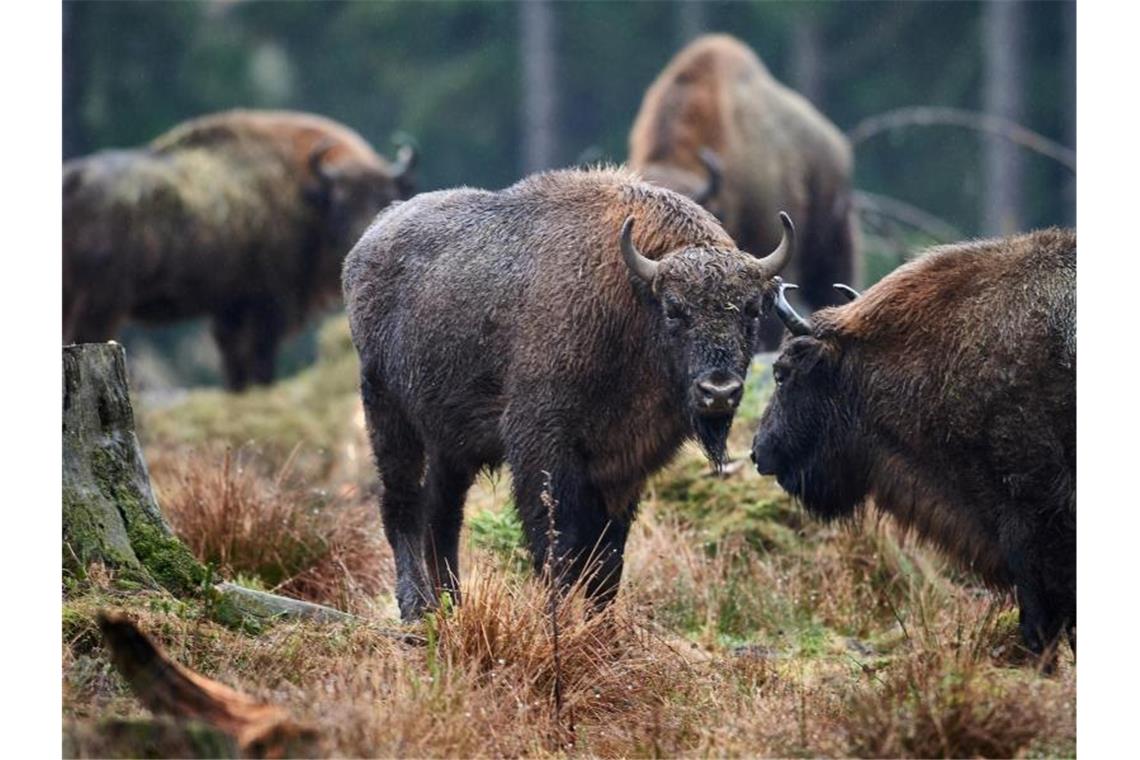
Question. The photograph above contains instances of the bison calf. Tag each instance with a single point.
(243, 216)
(579, 325)
(946, 395)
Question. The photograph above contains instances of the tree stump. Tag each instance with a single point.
(110, 515)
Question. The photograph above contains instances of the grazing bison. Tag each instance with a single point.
(716, 126)
(244, 217)
(579, 325)
(946, 395)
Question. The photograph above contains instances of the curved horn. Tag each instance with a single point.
(317, 158)
(712, 165)
(644, 268)
(779, 258)
(796, 324)
(846, 290)
(406, 158)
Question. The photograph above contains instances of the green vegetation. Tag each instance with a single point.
(743, 627)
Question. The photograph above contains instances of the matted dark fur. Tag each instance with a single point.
(242, 216)
(946, 395)
(506, 326)
(777, 153)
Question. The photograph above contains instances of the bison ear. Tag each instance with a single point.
(808, 353)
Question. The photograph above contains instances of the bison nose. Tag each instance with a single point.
(719, 393)
(764, 457)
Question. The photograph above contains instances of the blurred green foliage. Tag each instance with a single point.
(448, 74)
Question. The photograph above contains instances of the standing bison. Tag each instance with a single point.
(716, 126)
(244, 217)
(579, 325)
(946, 395)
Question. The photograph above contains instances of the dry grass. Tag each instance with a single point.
(271, 532)
(742, 629)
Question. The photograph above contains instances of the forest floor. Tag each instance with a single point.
(743, 627)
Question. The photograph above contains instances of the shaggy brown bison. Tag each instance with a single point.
(716, 126)
(579, 325)
(243, 216)
(946, 395)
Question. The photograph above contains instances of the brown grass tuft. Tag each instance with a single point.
(271, 532)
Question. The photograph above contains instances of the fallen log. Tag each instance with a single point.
(166, 688)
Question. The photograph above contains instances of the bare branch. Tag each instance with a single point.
(891, 208)
(928, 116)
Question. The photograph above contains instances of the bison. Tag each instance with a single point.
(579, 326)
(244, 217)
(716, 126)
(945, 395)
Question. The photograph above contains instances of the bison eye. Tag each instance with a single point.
(752, 309)
(779, 374)
(675, 311)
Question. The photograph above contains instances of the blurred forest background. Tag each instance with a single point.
(493, 91)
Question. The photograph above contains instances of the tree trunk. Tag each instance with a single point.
(539, 96)
(807, 59)
(1004, 27)
(110, 516)
(690, 20)
(1069, 62)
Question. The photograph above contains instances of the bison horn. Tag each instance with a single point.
(317, 158)
(712, 165)
(846, 290)
(644, 268)
(779, 258)
(796, 324)
(405, 161)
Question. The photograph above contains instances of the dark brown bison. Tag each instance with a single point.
(716, 126)
(244, 217)
(945, 394)
(579, 325)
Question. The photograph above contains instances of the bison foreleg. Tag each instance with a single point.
(1041, 626)
(248, 336)
(588, 545)
(445, 489)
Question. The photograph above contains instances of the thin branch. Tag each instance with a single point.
(554, 577)
(912, 216)
(927, 116)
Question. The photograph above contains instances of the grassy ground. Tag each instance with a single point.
(743, 627)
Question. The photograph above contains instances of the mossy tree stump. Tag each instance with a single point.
(110, 515)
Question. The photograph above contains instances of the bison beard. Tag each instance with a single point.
(711, 432)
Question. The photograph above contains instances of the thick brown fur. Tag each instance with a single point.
(505, 326)
(778, 154)
(945, 394)
(242, 216)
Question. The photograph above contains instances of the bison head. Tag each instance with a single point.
(809, 436)
(702, 188)
(349, 194)
(708, 302)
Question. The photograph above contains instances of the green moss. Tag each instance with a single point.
(164, 558)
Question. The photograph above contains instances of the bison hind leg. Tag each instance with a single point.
(399, 454)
